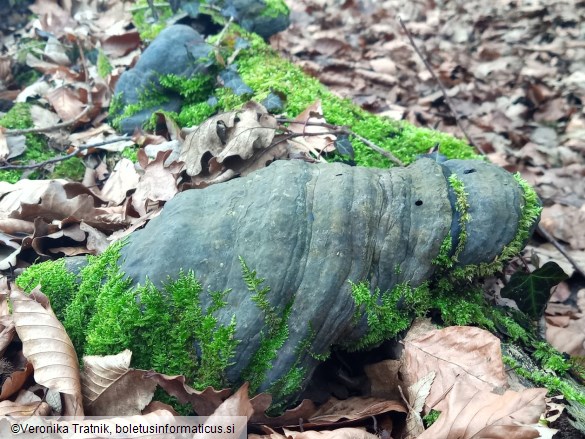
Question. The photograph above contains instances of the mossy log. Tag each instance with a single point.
(258, 278)
(290, 262)
(188, 92)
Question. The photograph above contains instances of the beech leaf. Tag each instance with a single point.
(47, 347)
(417, 395)
(456, 354)
(111, 388)
(472, 413)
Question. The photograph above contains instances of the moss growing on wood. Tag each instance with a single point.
(462, 209)
(130, 153)
(431, 418)
(193, 89)
(147, 100)
(387, 313)
(275, 334)
(262, 69)
(275, 8)
(144, 21)
(555, 384)
(444, 258)
(531, 208)
(52, 276)
(104, 314)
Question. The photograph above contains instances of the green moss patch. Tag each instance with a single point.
(549, 379)
(531, 208)
(104, 67)
(143, 19)
(103, 315)
(37, 150)
(166, 329)
(264, 71)
(275, 8)
(275, 334)
(387, 313)
(54, 277)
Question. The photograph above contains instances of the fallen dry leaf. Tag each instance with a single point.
(313, 142)
(159, 183)
(42, 117)
(355, 408)
(111, 388)
(120, 45)
(560, 222)
(9, 252)
(417, 395)
(548, 252)
(4, 150)
(54, 18)
(47, 347)
(236, 405)
(51, 202)
(254, 130)
(67, 103)
(342, 433)
(14, 409)
(384, 380)
(203, 140)
(471, 413)
(15, 382)
(457, 354)
(290, 417)
(120, 182)
(23, 191)
(96, 241)
(240, 134)
(569, 338)
(56, 52)
(7, 330)
(204, 402)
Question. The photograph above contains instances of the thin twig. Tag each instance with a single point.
(164, 5)
(373, 146)
(52, 127)
(64, 157)
(223, 31)
(153, 9)
(347, 131)
(561, 249)
(147, 6)
(445, 95)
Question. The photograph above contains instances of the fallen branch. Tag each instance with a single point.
(64, 157)
(443, 91)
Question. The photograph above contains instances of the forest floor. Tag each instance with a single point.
(513, 72)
